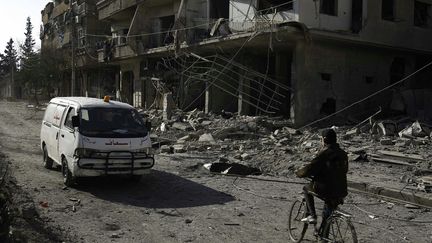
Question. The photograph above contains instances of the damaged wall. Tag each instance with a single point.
(399, 31)
(348, 74)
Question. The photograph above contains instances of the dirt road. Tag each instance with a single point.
(179, 201)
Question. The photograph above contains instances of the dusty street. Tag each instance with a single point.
(180, 201)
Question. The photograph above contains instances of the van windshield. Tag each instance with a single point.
(111, 123)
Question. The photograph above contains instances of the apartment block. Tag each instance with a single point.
(299, 59)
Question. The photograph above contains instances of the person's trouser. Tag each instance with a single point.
(329, 205)
(310, 202)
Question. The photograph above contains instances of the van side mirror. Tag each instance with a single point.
(75, 121)
(148, 125)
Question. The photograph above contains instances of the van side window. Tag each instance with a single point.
(68, 121)
(49, 113)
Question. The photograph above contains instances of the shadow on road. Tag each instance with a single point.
(159, 189)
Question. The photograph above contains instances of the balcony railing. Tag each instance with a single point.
(107, 8)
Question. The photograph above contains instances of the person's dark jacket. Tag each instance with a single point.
(328, 170)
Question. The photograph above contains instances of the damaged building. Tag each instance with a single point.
(66, 31)
(302, 60)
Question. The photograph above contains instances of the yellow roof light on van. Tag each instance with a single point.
(106, 98)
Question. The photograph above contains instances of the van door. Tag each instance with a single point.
(67, 135)
(54, 132)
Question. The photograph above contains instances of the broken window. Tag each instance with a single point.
(167, 23)
(387, 10)
(329, 7)
(325, 76)
(280, 5)
(421, 14)
(357, 16)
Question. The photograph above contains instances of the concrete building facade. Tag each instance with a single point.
(299, 59)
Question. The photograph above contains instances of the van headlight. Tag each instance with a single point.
(148, 151)
(83, 152)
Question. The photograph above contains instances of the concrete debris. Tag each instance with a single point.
(166, 149)
(207, 138)
(411, 206)
(415, 130)
(385, 128)
(181, 126)
(386, 141)
(425, 184)
(249, 142)
(179, 148)
(232, 169)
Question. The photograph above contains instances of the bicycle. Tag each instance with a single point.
(333, 229)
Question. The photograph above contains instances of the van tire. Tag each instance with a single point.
(68, 178)
(47, 161)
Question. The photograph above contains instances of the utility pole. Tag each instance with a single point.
(72, 17)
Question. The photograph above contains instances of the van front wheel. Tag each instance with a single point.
(68, 179)
(47, 161)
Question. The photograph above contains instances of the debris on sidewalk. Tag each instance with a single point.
(264, 144)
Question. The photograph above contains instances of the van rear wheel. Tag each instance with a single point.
(68, 179)
(47, 161)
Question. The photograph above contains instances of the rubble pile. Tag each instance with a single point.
(275, 147)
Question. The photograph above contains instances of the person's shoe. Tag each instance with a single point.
(309, 219)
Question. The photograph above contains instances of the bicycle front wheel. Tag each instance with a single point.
(297, 229)
(339, 229)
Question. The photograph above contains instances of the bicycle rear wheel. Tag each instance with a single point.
(339, 229)
(297, 229)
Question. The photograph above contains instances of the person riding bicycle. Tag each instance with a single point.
(329, 181)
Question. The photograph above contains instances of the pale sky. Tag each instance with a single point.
(13, 15)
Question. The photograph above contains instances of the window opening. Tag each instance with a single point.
(281, 5)
(329, 7)
(421, 14)
(326, 76)
(387, 10)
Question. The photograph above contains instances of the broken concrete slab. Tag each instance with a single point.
(206, 137)
(179, 148)
(181, 126)
(385, 128)
(206, 123)
(245, 156)
(397, 194)
(404, 156)
(414, 130)
(166, 149)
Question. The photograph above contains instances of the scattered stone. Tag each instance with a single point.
(188, 221)
(386, 141)
(181, 126)
(184, 139)
(410, 206)
(206, 123)
(206, 137)
(179, 148)
(284, 141)
(290, 130)
(166, 149)
(245, 156)
(252, 126)
(115, 235)
(352, 132)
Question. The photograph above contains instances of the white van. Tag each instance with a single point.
(93, 137)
